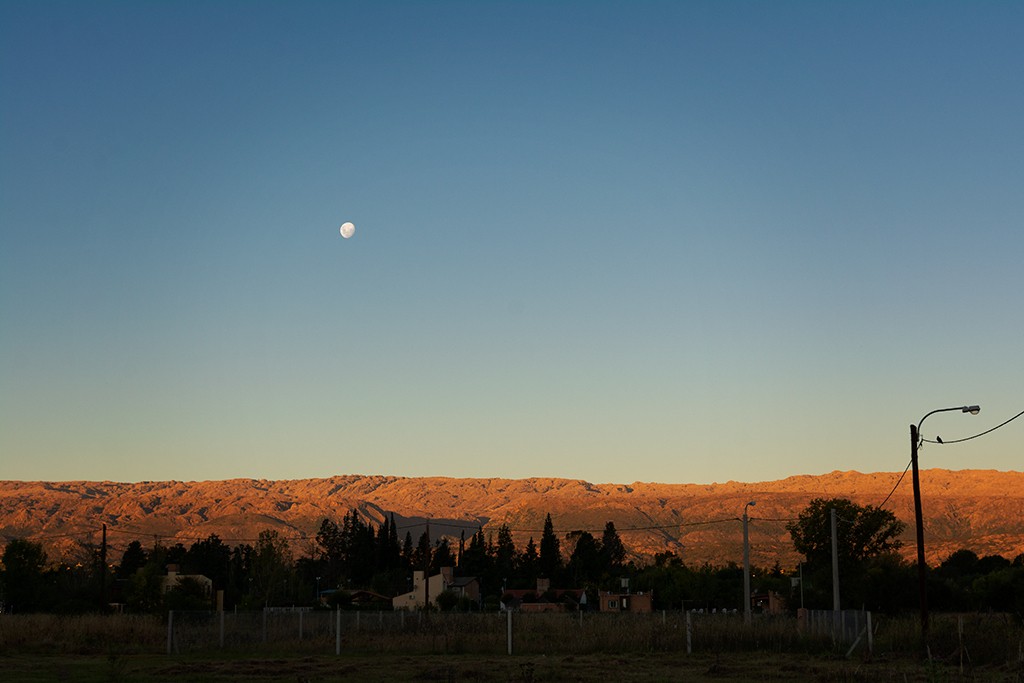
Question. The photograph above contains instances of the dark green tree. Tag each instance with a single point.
(211, 558)
(442, 557)
(613, 553)
(133, 559)
(145, 587)
(271, 570)
(187, 594)
(504, 555)
(584, 566)
(23, 577)
(864, 535)
(388, 551)
(408, 551)
(527, 567)
(863, 531)
(331, 551)
(240, 576)
(474, 560)
(550, 561)
(446, 601)
(422, 555)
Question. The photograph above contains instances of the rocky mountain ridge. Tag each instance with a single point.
(975, 509)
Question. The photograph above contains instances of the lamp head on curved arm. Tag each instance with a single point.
(973, 410)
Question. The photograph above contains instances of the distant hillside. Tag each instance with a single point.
(976, 509)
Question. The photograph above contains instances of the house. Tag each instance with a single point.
(426, 590)
(544, 598)
(363, 599)
(626, 602)
(768, 602)
(174, 577)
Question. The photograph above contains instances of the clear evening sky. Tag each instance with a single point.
(654, 241)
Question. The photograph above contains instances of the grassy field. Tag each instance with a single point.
(736, 667)
(472, 647)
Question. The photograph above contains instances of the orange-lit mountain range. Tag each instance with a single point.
(982, 510)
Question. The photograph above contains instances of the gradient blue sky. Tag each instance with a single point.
(661, 241)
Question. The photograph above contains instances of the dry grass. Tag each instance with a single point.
(593, 668)
(472, 647)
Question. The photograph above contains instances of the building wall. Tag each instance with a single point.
(417, 597)
(173, 578)
(626, 602)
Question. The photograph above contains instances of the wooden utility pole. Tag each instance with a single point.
(426, 572)
(103, 570)
(835, 561)
(922, 574)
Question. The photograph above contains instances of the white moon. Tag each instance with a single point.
(347, 230)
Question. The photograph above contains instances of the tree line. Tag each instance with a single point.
(355, 554)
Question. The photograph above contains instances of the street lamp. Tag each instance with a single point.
(746, 564)
(922, 579)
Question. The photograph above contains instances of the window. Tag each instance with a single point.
(613, 604)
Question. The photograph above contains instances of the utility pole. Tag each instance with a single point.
(922, 576)
(801, 585)
(746, 565)
(103, 570)
(922, 568)
(426, 573)
(835, 562)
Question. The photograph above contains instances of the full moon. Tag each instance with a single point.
(347, 230)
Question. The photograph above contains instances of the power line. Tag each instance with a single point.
(987, 431)
(897, 485)
(591, 531)
(176, 536)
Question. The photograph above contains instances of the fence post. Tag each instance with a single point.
(337, 634)
(871, 636)
(689, 634)
(264, 625)
(222, 629)
(170, 630)
(300, 626)
(357, 619)
(508, 614)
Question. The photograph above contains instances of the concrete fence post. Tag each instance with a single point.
(508, 621)
(337, 634)
(170, 630)
(689, 634)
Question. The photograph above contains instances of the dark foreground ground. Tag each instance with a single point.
(451, 668)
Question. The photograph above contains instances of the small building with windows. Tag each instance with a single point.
(626, 602)
(544, 599)
(426, 589)
(174, 577)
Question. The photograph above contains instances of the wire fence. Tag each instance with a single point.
(484, 633)
(851, 627)
(978, 638)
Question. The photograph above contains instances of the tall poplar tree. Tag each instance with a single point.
(550, 563)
